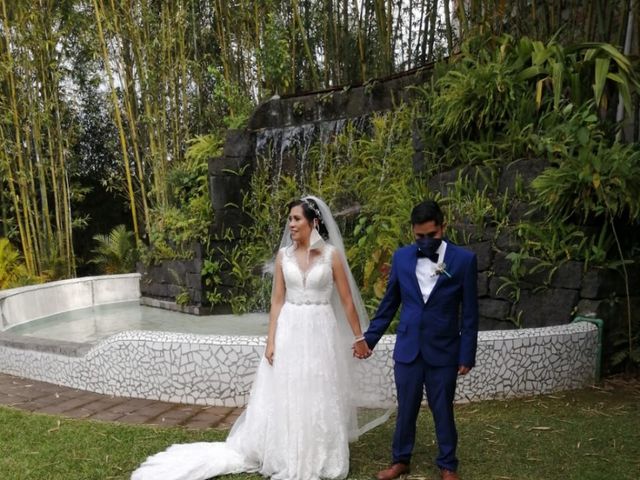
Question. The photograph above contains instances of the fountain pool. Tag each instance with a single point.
(91, 333)
(92, 324)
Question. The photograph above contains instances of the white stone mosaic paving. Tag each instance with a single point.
(219, 370)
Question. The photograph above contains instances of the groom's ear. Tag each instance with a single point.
(444, 228)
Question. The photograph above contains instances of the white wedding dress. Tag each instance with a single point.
(299, 417)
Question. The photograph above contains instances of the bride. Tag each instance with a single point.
(303, 407)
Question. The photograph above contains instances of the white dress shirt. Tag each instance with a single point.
(426, 272)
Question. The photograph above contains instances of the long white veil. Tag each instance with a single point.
(371, 407)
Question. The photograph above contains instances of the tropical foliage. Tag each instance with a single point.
(13, 272)
(135, 96)
(478, 115)
(368, 180)
(187, 218)
(128, 84)
(116, 252)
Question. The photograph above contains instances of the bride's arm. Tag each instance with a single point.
(361, 350)
(277, 300)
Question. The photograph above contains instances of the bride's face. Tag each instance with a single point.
(299, 226)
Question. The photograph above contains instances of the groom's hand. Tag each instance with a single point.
(463, 370)
(361, 349)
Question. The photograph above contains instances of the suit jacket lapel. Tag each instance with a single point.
(448, 255)
(413, 263)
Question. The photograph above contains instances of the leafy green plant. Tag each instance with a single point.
(467, 204)
(187, 217)
(581, 72)
(115, 252)
(552, 242)
(591, 181)
(477, 97)
(232, 98)
(489, 103)
(183, 298)
(245, 256)
(324, 99)
(13, 272)
(275, 56)
(211, 275)
(386, 189)
(594, 181)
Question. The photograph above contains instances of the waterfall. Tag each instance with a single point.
(288, 148)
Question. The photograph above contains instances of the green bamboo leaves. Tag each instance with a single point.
(574, 71)
(35, 149)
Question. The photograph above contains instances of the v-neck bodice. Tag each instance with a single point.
(311, 286)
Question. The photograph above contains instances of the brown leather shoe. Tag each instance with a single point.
(448, 474)
(394, 471)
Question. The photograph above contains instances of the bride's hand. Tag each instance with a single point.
(361, 350)
(269, 352)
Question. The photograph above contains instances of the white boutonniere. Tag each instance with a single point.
(440, 269)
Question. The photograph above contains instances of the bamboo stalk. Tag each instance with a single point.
(118, 118)
(130, 104)
(31, 197)
(360, 36)
(305, 43)
(44, 196)
(15, 199)
(449, 29)
(432, 29)
(26, 234)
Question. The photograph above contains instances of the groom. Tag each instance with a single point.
(436, 337)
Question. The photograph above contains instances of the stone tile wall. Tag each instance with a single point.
(219, 370)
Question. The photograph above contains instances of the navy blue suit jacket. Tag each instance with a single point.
(444, 330)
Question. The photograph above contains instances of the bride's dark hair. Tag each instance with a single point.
(311, 212)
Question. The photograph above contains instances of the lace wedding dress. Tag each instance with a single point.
(299, 417)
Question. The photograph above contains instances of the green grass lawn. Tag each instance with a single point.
(590, 434)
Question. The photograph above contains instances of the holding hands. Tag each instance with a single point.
(360, 348)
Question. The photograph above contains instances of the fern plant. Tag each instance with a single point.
(13, 272)
(115, 252)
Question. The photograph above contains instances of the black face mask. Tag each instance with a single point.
(428, 245)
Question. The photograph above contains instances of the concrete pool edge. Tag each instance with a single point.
(69, 349)
(24, 304)
(219, 369)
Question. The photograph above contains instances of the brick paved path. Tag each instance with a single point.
(40, 397)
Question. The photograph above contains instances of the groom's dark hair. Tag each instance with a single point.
(427, 211)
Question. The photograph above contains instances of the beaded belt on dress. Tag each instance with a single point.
(309, 302)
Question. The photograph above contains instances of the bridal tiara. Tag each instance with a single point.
(313, 207)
